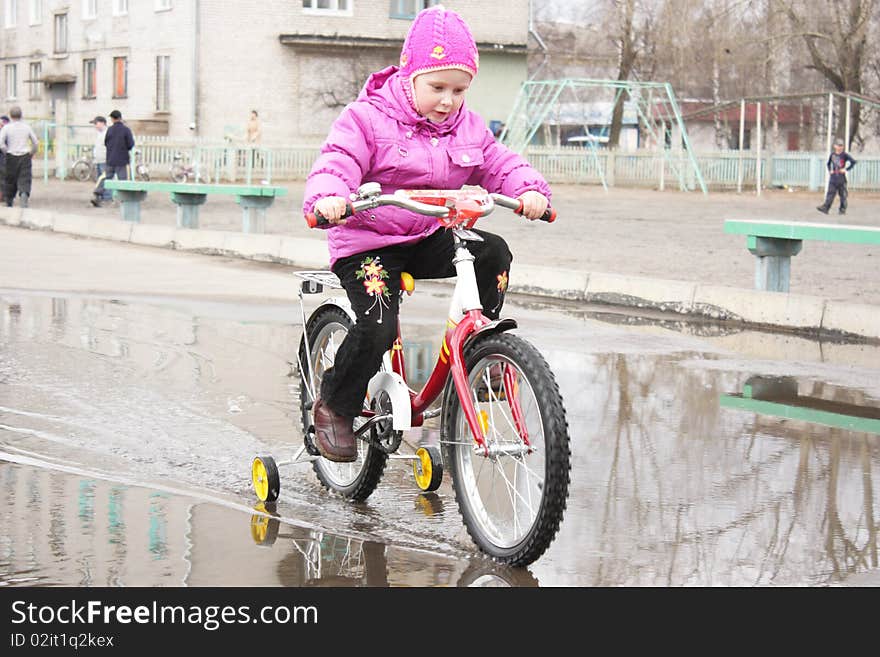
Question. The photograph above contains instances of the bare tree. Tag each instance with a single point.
(835, 33)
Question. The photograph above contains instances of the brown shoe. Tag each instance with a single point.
(334, 436)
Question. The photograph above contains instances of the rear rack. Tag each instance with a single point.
(315, 281)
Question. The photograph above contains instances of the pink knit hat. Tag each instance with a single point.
(438, 39)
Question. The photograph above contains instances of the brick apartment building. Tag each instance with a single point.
(170, 64)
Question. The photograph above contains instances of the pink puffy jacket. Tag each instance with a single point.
(380, 138)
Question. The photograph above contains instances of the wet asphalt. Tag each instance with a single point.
(128, 423)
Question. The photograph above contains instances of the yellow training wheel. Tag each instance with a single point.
(264, 529)
(428, 468)
(264, 474)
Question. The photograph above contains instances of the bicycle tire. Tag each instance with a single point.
(82, 170)
(178, 174)
(536, 392)
(354, 481)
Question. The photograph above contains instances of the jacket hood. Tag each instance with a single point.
(384, 90)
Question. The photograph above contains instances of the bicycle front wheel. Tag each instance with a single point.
(511, 500)
(82, 170)
(326, 330)
(178, 173)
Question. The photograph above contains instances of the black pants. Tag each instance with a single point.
(18, 176)
(372, 282)
(836, 185)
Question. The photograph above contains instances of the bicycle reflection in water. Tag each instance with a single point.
(317, 558)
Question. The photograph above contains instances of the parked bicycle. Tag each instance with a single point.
(85, 168)
(504, 431)
(180, 171)
(140, 170)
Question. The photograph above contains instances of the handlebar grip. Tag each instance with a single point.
(316, 219)
(549, 214)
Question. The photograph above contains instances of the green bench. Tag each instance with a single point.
(253, 199)
(778, 397)
(773, 243)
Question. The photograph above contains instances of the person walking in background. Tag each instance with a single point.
(4, 120)
(254, 131)
(19, 144)
(254, 135)
(99, 156)
(119, 141)
(839, 163)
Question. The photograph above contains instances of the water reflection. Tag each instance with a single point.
(316, 558)
(668, 487)
(86, 532)
(832, 455)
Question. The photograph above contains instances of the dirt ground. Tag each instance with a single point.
(670, 234)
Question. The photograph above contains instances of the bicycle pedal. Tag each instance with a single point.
(309, 442)
(483, 396)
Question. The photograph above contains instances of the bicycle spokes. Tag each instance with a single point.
(506, 477)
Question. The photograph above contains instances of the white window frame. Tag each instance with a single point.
(410, 14)
(163, 5)
(85, 86)
(311, 7)
(163, 83)
(89, 9)
(35, 12)
(10, 13)
(55, 18)
(10, 72)
(35, 71)
(120, 7)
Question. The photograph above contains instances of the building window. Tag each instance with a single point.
(120, 77)
(90, 78)
(409, 8)
(11, 82)
(120, 7)
(60, 33)
(35, 81)
(35, 12)
(327, 6)
(163, 83)
(10, 11)
(162, 5)
(90, 9)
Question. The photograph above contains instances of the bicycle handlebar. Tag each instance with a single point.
(315, 219)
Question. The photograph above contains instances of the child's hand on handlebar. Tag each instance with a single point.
(534, 204)
(332, 208)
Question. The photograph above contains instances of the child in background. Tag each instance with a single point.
(837, 165)
(408, 129)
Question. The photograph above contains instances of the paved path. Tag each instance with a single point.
(670, 235)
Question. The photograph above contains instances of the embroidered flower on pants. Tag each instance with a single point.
(373, 274)
(502, 288)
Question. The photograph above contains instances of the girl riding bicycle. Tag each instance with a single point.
(407, 129)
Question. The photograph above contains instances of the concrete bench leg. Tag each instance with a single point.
(773, 261)
(188, 208)
(253, 212)
(130, 204)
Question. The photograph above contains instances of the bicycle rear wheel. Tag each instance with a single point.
(512, 500)
(356, 480)
(82, 170)
(178, 173)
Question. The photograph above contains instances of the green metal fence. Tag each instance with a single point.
(724, 170)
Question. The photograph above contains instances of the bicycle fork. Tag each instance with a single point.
(465, 319)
